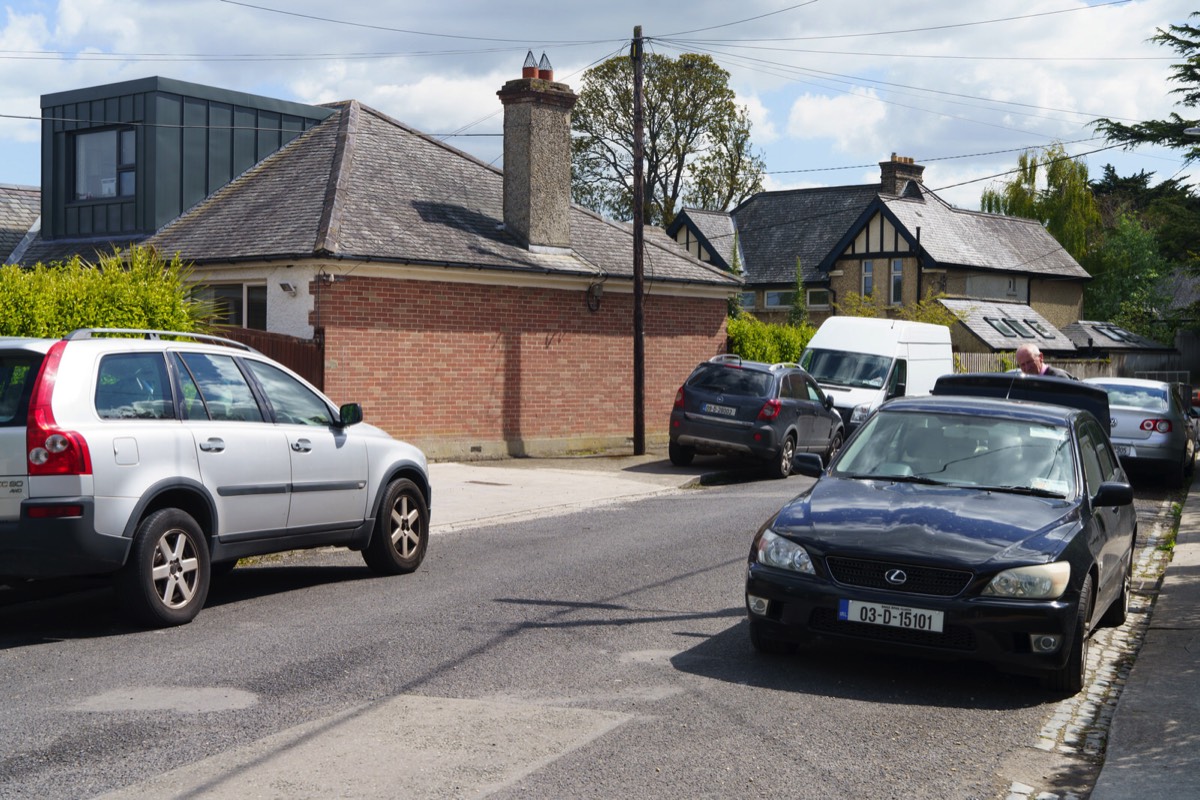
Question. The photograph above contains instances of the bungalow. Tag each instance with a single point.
(471, 311)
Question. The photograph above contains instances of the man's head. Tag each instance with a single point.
(1029, 359)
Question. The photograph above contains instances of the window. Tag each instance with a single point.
(868, 278)
(818, 298)
(293, 402)
(214, 387)
(747, 300)
(780, 299)
(1001, 327)
(238, 304)
(134, 386)
(105, 164)
(897, 294)
(1018, 327)
(1040, 328)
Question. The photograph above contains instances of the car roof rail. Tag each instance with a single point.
(785, 365)
(726, 358)
(207, 338)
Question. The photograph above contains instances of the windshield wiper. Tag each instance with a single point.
(862, 476)
(1029, 490)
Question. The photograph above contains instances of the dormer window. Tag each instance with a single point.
(105, 164)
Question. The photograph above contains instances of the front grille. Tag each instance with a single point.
(919, 580)
(955, 637)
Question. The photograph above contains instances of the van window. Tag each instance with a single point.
(841, 368)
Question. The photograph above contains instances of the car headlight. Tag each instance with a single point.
(1039, 582)
(860, 413)
(774, 550)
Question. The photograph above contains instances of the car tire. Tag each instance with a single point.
(1176, 475)
(763, 643)
(166, 577)
(1118, 612)
(834, 446)
(401, 533)
(781, 465)
(1072, 676)
(681, 455)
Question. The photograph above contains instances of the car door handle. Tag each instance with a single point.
(213, 445)
(302, 446)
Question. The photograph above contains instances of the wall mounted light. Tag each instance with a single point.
(288, 287)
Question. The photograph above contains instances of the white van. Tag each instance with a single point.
(862, 361)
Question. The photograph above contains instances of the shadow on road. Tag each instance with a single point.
(836, 669)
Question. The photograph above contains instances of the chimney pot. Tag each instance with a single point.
(545, 71)
(530, 68)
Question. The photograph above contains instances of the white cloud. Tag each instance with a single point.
(852, 121)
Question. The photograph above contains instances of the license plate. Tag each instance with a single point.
(725, 411)
(1126, 450)
(914, 619)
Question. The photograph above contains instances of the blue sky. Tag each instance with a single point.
(833, 86)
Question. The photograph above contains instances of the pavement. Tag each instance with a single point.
(1154, 742)
(1153, 746)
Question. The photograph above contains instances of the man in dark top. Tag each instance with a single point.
(1031, 362)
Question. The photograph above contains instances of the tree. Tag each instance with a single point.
(1184, 40)
(697, 139)
(1127, 269)
(1169, 209)
(798, 314)
(1065, 204)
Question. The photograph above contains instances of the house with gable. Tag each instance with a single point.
(897, 242)
(472, 311)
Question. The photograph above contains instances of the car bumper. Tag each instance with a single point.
(58, 546)
(757, 441)
(984, 629)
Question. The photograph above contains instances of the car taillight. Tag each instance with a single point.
(770, 410)
(679, 398)
(51, 450)
(1157, 425)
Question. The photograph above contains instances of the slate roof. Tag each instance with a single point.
(714, 229)
(20, 208)
(1109, 337)
(774, 228)
(974, 315)
(972, 239)
(362, 186)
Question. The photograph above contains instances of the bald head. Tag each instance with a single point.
(1030, 360)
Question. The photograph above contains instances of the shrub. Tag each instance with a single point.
(760, 341)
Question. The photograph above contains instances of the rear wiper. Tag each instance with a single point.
(1029, 490)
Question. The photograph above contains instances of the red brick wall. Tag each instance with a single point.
(464, 369)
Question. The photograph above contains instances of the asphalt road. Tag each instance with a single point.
(600, 654)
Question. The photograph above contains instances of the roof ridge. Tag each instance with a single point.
(339, 176)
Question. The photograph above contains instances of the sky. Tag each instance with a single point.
(832, 86)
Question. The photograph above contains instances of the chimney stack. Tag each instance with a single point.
(537, 156)
(894, 174)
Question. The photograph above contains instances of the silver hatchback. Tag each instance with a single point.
(162, 458)
(1153, 427)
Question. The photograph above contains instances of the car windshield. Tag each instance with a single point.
(1146, 398)
(731, 379)
(962, 450)
(840, 368)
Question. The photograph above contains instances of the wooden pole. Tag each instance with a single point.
(639, 344)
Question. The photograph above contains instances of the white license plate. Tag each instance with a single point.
(1128, 451)
(914, 619)
(725, 411)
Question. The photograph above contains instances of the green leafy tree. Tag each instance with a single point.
(137, 289)
(1127, 270)
(761, 341)
(1063, 202)
(928, 310)
(735, 266)
(696, 139)
(1169, 209)
(1185, 41)
(854, 304)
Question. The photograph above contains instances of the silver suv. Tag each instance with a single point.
(165, 458)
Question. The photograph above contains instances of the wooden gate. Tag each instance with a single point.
(305, 357)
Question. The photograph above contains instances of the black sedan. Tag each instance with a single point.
(978, 527)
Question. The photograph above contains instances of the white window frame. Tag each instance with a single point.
(896, 282)
(775, 294)
(812, 296)
(867, 281)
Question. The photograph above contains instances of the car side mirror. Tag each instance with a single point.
(351, 414)
(828, 403)
(810, 464)
(1113, 493)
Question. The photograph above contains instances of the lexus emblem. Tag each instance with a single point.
(895, 576)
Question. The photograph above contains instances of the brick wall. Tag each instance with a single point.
(468, 370)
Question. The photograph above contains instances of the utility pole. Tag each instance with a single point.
(639, 344)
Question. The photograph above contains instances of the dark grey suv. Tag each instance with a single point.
(768, 411)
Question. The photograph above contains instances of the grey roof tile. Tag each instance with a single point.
(1088, 334)
(20, 207)
(974, 315)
